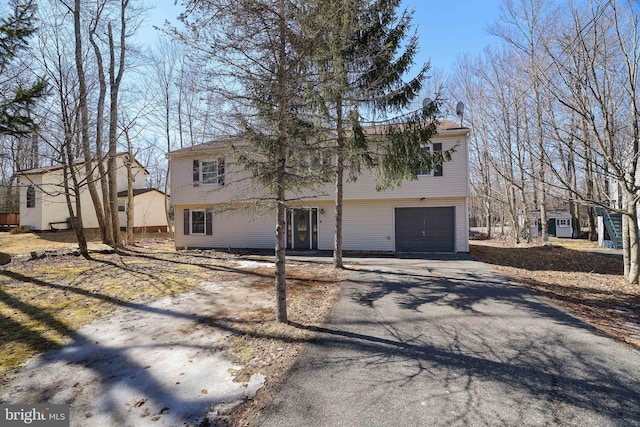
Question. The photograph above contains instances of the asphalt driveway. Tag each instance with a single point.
(449, 342)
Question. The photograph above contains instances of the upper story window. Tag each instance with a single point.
(208, 172)
(428, 149)
(31, 196)
(432, 149)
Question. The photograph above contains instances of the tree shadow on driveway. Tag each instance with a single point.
(442, 343)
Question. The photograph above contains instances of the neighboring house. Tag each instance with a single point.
(43, 204)
(148, 210)
(609, 222)
(216, 205)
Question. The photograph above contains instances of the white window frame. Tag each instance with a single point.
(204, 222)
(122, 205)
(202, 173)
(429, 148)
(562, 222)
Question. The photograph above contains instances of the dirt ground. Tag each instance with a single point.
(118, 328)
(575, 275)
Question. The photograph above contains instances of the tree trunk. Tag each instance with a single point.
(167, 212)
(84, 118)
(281, 205)
(630, 239)
(69, 174)
(114, 83)
(337, 241)
(281, 270)
(103, 212)
(129, 207)
(541, 162)
(167, 133)
(130, 227)
(486, 183)
(487, 217)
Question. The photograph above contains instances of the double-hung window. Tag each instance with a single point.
(427, 149)
(198, 222)
(432, 149)
(208, 172)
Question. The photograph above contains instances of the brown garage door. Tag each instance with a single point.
(425, 229)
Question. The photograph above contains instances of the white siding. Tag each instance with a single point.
(369, 225)
(241, 228)
(368, 215)
(30, 217)
(240, 188)
(138, 173)
(452, 183)
(148, 210)
(51, 205)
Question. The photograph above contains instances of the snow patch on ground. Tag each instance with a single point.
(246, 263)
(147, 364)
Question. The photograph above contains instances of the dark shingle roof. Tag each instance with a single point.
(138, 191)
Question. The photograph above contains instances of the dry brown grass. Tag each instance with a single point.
(21, 243)
(43, 301)
(271, 348)
(587, 284)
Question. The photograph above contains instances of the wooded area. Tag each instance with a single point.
(552, 105)
(267, 70)
(554, 111)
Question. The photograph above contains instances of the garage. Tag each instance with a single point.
(425, 229)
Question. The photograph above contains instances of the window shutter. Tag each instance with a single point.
(208, 222)
(196, 173)
(437, 146)
(187, 229)
(221, 171)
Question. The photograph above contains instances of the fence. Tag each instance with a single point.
(9, 221)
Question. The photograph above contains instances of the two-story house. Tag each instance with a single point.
(43, 203)
(216, 205)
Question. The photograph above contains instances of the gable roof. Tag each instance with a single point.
(138, 191)
(217, 144)
(221, 144)
(47, 169)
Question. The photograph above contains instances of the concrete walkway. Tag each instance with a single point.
(449, 342)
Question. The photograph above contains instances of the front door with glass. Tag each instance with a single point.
(302, 228)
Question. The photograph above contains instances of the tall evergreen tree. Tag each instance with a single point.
(17, 94)
(366, 55)
(258, 57)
